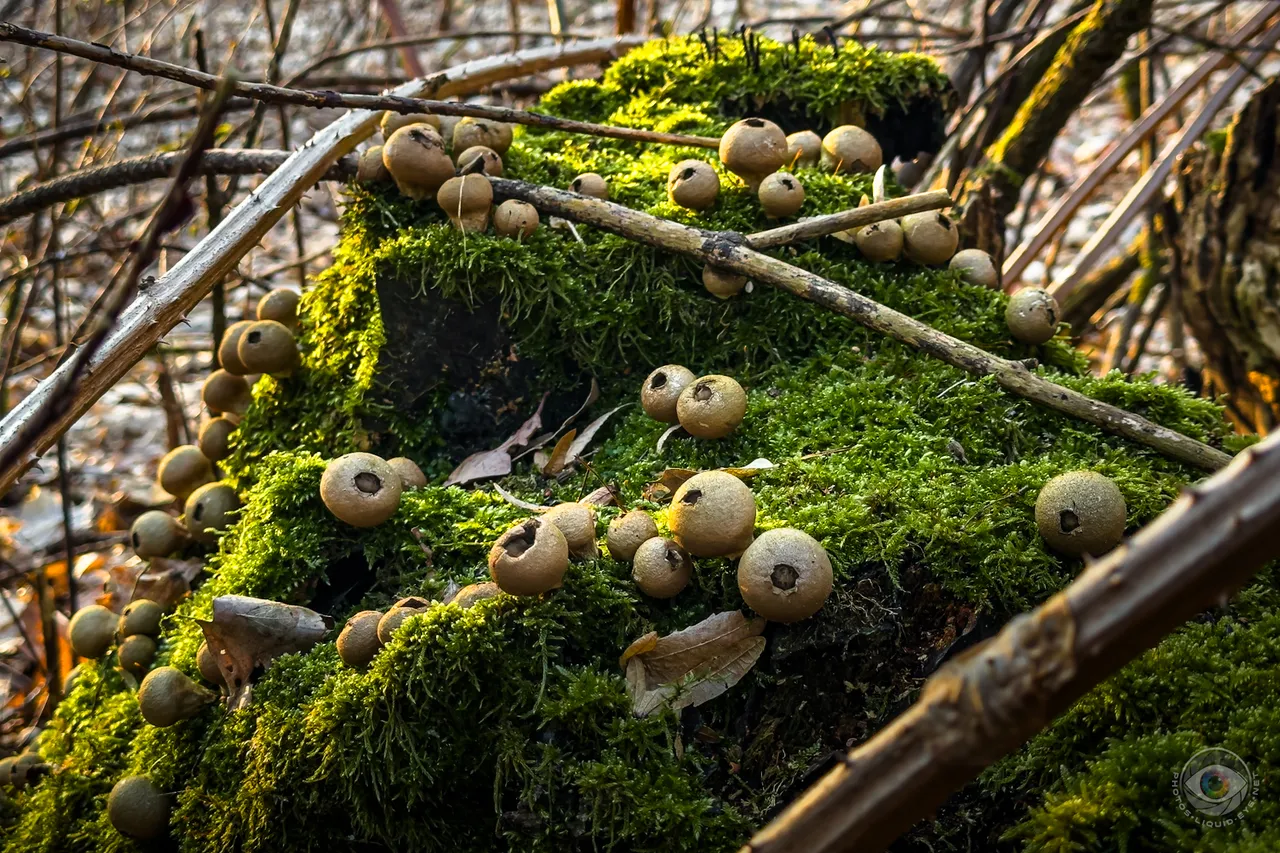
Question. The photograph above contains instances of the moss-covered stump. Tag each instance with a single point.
(507, 725)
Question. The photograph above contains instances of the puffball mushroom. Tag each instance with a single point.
(208, 511)
(785, 575)
(1032, 315)
(156, 534)
(226, 392)
(722, 283)
(1081, 512)
(467, 201)
(491, 161)
(711, 407)
(136, 654)
(804, 149)
(207, 662)
(693, 184)
(713, 514)
(530, 558)
(167, 697)
(515, 219)
(138, 809)
(577, 522)
(752, 149)
(280, 305)
(627, 532)
(140, 617)
(215, 437)
(370, 168)
(91, 631)
(391, 122)
(470, 132)
(474, 592)
(976, 267)
(358, 643)
(416, 159)
(590, 184)
(411, 476)
(880, 242)
(391, 621)
(361, 489)
(269, 347)
(228, 349)
(662, 389)
(849, 148)
(930, 237)
(661, 568)
(781, 194)
(182, 470)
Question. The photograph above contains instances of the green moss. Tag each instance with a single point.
(508, 725)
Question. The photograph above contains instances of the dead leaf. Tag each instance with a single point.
(692, 666)
(877, 183)
(488, 464)
(662, 440)
(247, 633)
(592, 395)
(581, 443)
(559, 455)
(749, 470)
(661, 490)
(603, 496)
(515, 501)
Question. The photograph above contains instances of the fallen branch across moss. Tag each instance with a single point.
(993, 698)
(820, 226)
(731, 252)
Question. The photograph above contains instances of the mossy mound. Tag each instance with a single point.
(507, 726)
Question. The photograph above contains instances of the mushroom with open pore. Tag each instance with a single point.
(361, 489)
(467, 201)
(752, 149)
(785, 575)
(711, 407)
(530, 558)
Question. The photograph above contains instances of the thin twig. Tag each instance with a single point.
(729, 251)
(820, 226)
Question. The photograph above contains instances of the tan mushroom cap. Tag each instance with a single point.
(590, 184)
(269, 347)
(930, 237)
(136, 654)
(138, 809)
(530, 558)
(752, 149)
(662, 389)
(577, 522)
(627, 532)
(713, 514)
(693, 184)
(370, 168)
(208, 511)
(712, 406)
(215, 438)
(474, 592)
(1032, 315)
(361, 489)
(722, 284)
(280, 305)
(467, 201)
(183, 470)
(156, 534)
(228, 349)
(141, 616)
(167, 696)
(398, 613)
(492, 160)
(976, 267)
(207, 663)
(358, 643)
(1081, 512)
(804, 150)
(515, 219)
(880, 242)
(661, 568)
(391, 122)
(411, 476)
(470, 132)
(226, 392)
(417, 161)
(785, 575)
(849, 148)
(781, 194)
(92, 630)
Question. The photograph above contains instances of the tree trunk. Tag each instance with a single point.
(1224, 238)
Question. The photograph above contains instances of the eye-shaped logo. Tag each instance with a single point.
(1215, 783)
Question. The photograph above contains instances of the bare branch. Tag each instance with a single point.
(820, 226)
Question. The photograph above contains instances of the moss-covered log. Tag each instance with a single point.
(507, 725)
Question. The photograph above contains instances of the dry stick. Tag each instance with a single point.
(729, 251)
(151, 167)
(270, 94)
(857, 217)
(167, 300)
(1061, 213)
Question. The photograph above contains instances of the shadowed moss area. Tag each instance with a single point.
(507, 726)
